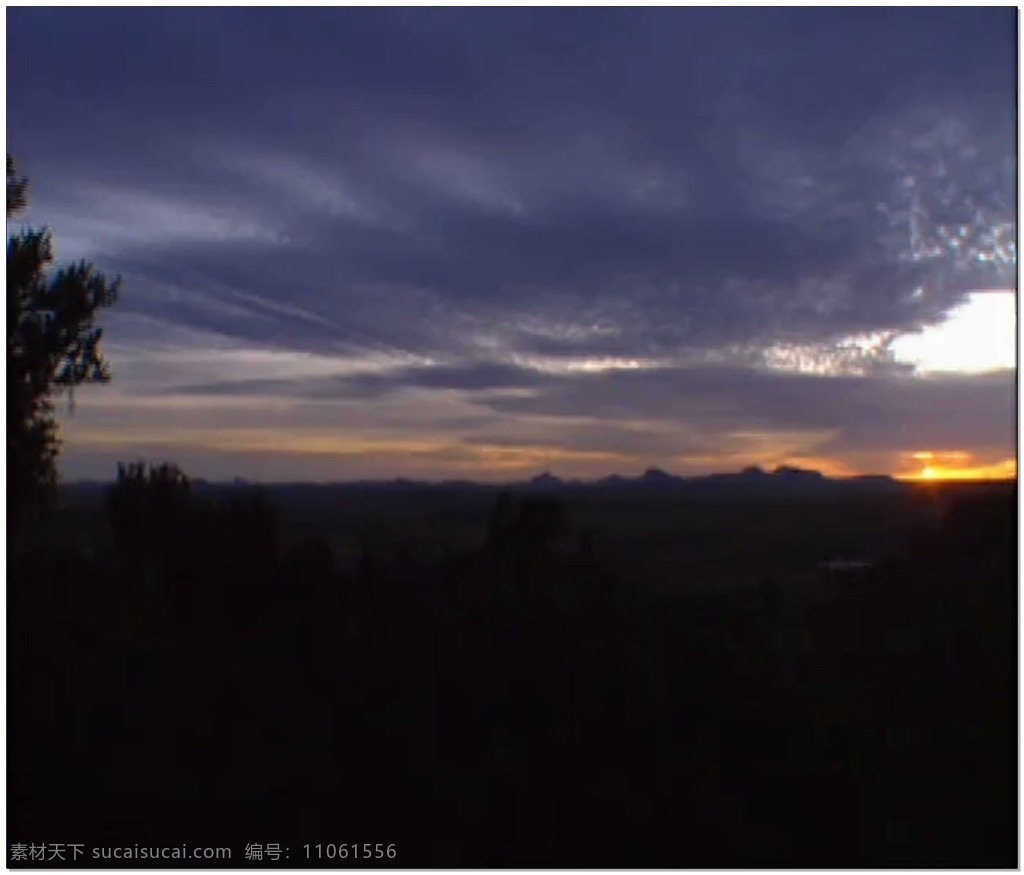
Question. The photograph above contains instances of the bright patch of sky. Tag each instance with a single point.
(978, 336)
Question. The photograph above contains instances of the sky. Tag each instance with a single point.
(484, 243)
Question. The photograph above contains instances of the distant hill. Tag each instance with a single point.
(546, 481)
(752, 477)
(655, 476)
(791, 473)
(784, 477)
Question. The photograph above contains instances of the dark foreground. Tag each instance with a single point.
(518, 703)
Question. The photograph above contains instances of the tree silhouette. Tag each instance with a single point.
(52, 347)
(587, 538)
(147, 509)
(540, 523)
(499, 523)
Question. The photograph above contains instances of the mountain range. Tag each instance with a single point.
(653, 479)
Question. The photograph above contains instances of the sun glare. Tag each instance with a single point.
(957, 465)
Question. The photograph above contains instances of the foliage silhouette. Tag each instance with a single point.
(147, 506)
(500, 522)
(490, 709)
(53, 341)
(541, 523)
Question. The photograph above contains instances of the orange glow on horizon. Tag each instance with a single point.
(362, 451)
(828, 467)
(936, 471)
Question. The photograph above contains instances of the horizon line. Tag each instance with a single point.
(909, 479)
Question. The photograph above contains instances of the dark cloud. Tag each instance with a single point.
(674, 408)
(871, 415)
(371, 385)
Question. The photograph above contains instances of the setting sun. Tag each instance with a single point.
(957, 465)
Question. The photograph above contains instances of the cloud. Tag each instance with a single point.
(584, 213)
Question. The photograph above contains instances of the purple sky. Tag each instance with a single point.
(487, 242)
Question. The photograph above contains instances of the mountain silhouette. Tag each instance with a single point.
(547, 480)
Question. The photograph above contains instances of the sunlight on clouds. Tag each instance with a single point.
(1005, 470)
(171, 366)
(109, 219)
(266, 440)
(942, 456)
(583, 364)
(953, 465)
(536, 458)
(325, 444)
(977, 337)
(984, 240)
(770, 446)
(446, 455)
(565, 329)
(854, 356)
